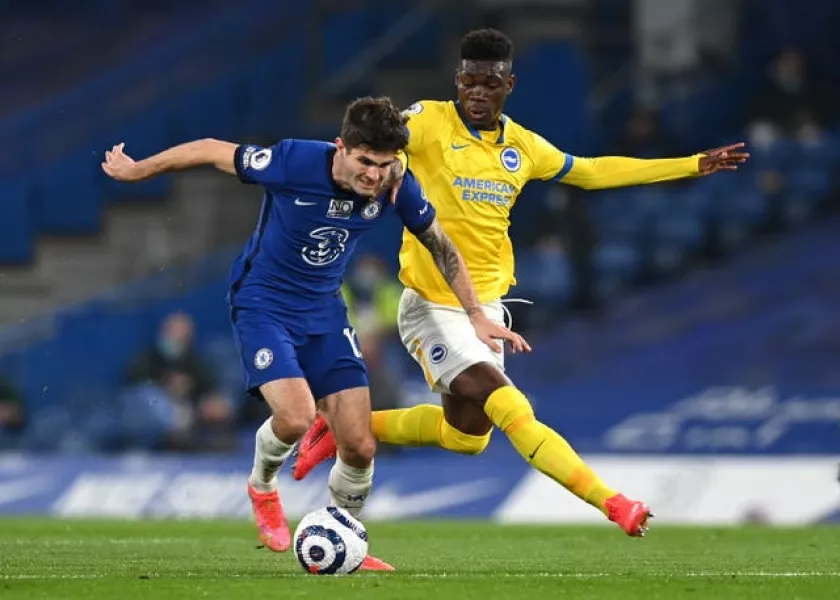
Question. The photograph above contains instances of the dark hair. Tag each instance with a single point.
(486, 44)
(375, 123)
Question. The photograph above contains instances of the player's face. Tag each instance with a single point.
(483, 87)
(363, 169)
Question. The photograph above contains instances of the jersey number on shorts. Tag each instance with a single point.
(331, 244)
(354, 343)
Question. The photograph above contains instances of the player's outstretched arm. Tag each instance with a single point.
(217, 153)
(621, 171)
(454, 270)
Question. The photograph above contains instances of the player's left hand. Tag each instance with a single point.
(725, 158)
(489, 331)
(120, 165)
(393, 181)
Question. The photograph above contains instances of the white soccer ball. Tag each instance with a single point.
(330, 541)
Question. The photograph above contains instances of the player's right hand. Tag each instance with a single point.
(489, 331)
(121, 166)
(725, 158)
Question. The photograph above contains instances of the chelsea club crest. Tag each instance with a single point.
(371, 210)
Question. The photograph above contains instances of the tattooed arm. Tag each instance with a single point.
(451, 265)
(453, 268)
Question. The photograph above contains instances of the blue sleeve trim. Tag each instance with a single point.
(415, 200)
(426, 224)
(567, 166)
(238, 166)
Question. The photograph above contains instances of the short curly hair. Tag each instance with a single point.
(486, 45)
(374, 123)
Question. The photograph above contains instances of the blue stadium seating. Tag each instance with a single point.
(543, 277)
(554, 105)
(190, 87)
(421, 48)
(52, 184)
(616, 264)
(67, 198)
(16, 222)
(345, 33)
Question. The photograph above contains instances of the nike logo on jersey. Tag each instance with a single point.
(299, 202)
(424, 210)
(461, 147)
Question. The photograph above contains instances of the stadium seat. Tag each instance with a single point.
(543, 276)
(681, 228)
(556, 106)
(811, 181)
(616, 263)
(421, 48)
(143, 137)
(16, 222)
(616, 215)
(354, 28)
(68, 197)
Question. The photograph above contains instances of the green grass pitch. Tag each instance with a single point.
(94, 560)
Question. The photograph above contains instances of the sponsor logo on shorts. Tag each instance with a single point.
(438, 353)
(263, 358)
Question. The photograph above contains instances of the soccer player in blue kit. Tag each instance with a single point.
(289, 319)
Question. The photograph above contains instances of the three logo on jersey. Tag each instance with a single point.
(331, 241)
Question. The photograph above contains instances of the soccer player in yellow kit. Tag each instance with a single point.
(473, 161)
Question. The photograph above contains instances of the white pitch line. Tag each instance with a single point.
(641, 574)
(62, 576)
(117, 541)
(444, 575)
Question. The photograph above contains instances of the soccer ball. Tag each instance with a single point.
(330, 541)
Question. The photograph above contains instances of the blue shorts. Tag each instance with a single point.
(270, 349)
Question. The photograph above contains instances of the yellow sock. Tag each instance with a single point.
(543, 447)
(415, 426)
(424, 425)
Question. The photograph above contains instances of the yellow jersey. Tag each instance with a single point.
(473, 179)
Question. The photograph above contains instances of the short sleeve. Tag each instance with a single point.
(415, 210)
(261, 166)
(548, 161)
(423, 119)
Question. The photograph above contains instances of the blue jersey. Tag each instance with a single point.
(294, 262)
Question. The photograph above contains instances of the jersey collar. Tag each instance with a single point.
(474, 132)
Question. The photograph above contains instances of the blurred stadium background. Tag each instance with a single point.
(686, 336)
